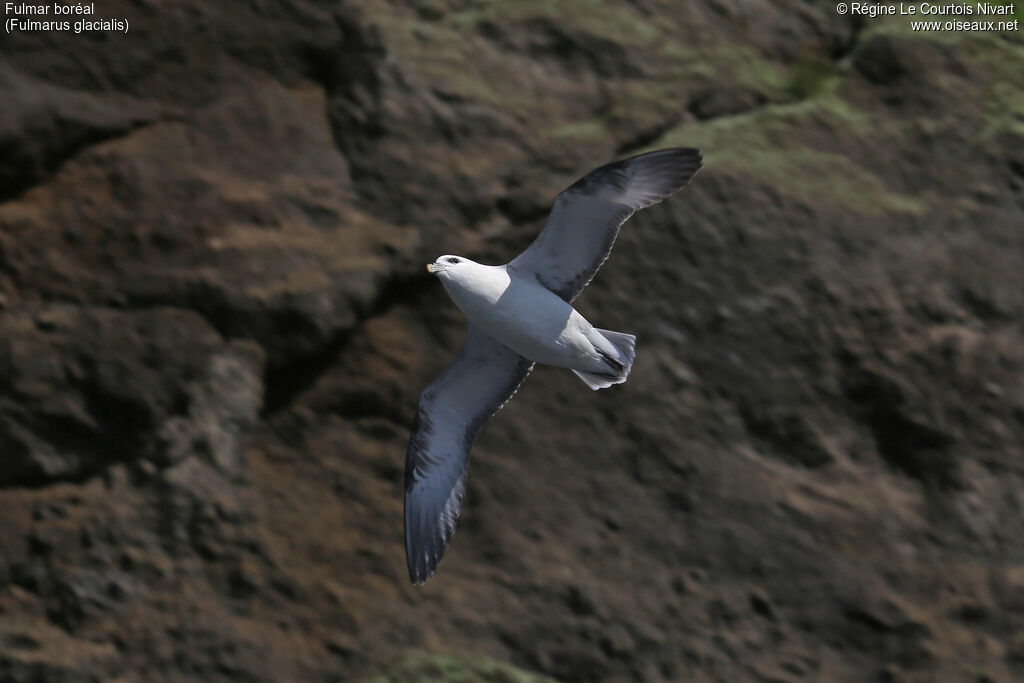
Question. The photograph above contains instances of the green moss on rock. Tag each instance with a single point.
(771, 144)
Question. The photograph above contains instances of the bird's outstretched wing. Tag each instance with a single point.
(451, 412)
(586, 217)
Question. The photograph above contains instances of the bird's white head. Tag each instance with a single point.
(463, 278)
(449, 266)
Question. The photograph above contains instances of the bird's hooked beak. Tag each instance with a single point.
(436, 267)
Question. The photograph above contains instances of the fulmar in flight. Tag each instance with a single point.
(519, 314)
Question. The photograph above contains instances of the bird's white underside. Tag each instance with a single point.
(524, 315)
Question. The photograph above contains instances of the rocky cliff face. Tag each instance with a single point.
(214, 326)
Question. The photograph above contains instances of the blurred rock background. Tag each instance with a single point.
(215, 323)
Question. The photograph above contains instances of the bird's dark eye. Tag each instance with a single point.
(453, 260)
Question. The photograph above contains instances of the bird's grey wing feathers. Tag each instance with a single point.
(586, 217)
(451, 411)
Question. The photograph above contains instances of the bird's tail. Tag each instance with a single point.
(619, 364)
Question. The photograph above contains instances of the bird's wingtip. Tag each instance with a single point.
(419, 576)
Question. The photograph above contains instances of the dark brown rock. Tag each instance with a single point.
(214, 326)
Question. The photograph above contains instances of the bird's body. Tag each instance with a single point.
(519, 314)
(498, 300)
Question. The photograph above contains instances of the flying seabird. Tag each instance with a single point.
(519, 314)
